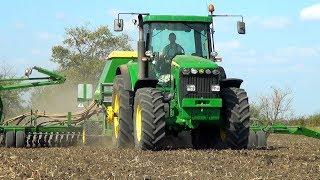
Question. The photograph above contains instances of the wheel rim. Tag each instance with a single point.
(138, 123)
(116, 123)
(116, 105)
(116, 127)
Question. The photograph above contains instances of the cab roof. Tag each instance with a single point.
(177, 18)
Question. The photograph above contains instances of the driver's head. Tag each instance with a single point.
(172, 38)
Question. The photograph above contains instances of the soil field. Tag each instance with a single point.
(289, 157)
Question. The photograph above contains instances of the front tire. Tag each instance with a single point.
(236, 115)
(149, 119)
(122, 121)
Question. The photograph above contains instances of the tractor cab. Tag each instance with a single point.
(169, 36)
(164, 37)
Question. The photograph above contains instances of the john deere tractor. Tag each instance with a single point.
(173, 84)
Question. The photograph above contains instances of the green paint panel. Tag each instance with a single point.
(191, 117)
(133, 72)
(201, 103)
(170, 18)
(187, 61)
(190, 112)
(283, 129)
(54, 78)
(108, 73)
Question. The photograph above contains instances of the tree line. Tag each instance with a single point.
(276, 107)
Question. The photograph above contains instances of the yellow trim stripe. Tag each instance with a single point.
(123, 54)
(173, 63)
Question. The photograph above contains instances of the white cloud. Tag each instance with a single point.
(228, 45)
(290, 55)
(44, 35)
(298, 52)
(275, 22)
(60, 16)
(311, 12)
(19, 25)
(113, 12)
(35, 52)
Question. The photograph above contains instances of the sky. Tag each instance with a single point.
(281, 47)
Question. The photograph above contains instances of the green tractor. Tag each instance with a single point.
(173, 84)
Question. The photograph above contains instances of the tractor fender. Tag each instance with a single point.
(146, 82)
(231, 82)
(123, 70)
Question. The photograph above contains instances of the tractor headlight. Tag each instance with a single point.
(215, 88)
(194, 71)
(191, 88)
(186, 71)
(208, 71)
(215, 72)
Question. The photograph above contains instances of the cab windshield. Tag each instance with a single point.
(166, 40)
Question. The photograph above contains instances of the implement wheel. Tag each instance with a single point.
(122, 120)
(261, 140)
(20, 139)
(149, 119)
(236, 115)
(253, 140)
(10, 139)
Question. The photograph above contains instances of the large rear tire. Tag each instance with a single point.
(149, 119)
(236, 115)
(122, 121)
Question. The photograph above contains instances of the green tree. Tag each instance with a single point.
(81, 57)
(83, 51)
(13, 103)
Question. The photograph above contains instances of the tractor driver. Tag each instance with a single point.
(172, 49)
(169, 52)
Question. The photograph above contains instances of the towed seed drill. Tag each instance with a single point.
(26, 131)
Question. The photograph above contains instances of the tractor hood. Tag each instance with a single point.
(187, 61)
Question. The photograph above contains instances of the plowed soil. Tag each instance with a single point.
(289, 157)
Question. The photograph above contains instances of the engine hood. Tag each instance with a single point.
(187, 61)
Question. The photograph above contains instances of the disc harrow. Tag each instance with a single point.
(37, 140)
(39, 130)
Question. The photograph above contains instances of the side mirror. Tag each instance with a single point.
(118, 25)
(241, 27)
